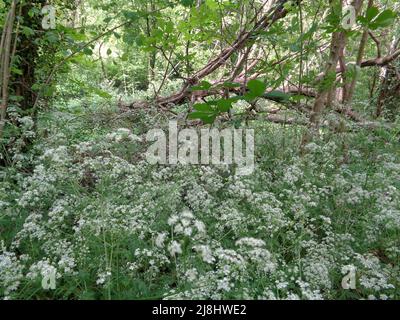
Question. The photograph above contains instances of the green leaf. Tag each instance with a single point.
(203, 107)
(87, 51)
(36, 87)
(125, 57)
(371, 13)
(278, 96)
(16, 71)
(257, 88)
(362, 20)
(16, 98)
(33, 11)
(131, 15)
(384, 19)
(101, 93)
(224, 105)
(249, 97)
(231, 85)
(109, 52)
(52, 37)
(205, 117)
(78, 36)
(187, 3)
(212, 4)
(204, 85)
(27, 31)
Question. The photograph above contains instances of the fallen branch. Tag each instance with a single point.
(381, 61)
(243, 39)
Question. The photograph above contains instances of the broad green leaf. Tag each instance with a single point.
(205, 117)
(371, 13)
(362, 20)
(203, 107)
(212, 4)
(101, 93)
(36, 87)
(27, 31)
(278, 96)
(131, 15)
(249, 96)
(224, 105)
(16, 98)
(16, 71)
(187, 3)
(384, 19)
(204, 85)
(125, 57)
(230, 85)
(256, 87)
(87, 51)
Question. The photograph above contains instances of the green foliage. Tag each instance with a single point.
(77, 196)
(375, 19)
(209, 111)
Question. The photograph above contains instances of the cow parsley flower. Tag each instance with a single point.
(174, 248)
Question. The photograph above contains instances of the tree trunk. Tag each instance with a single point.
(324, 93)
(27, 49)
(389, 94)
(350, 92)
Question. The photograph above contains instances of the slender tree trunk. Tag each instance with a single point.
(387, 89)
(348, 99)
(338, 43)
(5, 60)
(150, 24)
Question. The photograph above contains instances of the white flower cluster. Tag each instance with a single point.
(122, 134)
(186, 224)
(11, 271)
(89, 212)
